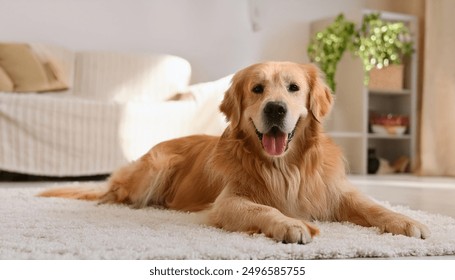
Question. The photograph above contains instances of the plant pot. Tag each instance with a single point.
(387, 78)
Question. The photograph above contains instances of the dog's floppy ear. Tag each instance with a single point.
(320, 98)
(231, 106)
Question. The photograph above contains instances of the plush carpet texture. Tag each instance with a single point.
(53, 228)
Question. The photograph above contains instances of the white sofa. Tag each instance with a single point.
(114, 110)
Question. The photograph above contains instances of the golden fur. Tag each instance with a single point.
(276, 187)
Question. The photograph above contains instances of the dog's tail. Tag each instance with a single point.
(84, 191)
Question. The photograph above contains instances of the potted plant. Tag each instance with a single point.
(328, 46)
(378, 43)
(381, 46)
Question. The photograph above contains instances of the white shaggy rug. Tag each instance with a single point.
(53, 228)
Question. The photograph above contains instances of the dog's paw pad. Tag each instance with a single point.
(418, 231)
(407, 226)
(294, 231)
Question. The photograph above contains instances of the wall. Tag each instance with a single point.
(217, 36)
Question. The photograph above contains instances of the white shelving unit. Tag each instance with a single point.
(348, 123)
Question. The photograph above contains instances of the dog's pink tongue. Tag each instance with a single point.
(274, 144)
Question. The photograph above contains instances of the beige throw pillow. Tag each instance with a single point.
(30, 71)
(5, 82)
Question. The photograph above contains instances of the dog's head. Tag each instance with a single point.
(269, 100)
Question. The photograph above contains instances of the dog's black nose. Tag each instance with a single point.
(275, 111)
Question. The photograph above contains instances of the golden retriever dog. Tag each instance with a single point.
(272, 171)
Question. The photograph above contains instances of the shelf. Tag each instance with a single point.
(391, 92)
(349, 122)
(384, 136)
(344, 134)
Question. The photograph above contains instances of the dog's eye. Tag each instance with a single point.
(258, 89)
(293, 87)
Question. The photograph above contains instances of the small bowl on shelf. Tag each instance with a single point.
(389, 124)
(388, 130)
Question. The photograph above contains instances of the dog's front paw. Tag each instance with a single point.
(292, 231)
(406, 226)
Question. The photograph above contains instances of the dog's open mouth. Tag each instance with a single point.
(275, 142)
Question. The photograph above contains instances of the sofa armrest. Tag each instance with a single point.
(124, 77)
(208, 97)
